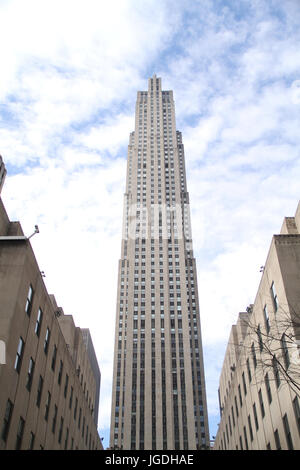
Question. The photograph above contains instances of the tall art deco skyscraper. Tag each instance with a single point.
(159, 399)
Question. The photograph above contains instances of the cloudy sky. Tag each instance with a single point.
(70, 70)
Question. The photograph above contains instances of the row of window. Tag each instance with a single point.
(86, 436)
(37, 330)
(245, 445)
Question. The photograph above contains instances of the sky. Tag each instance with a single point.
(70, 71)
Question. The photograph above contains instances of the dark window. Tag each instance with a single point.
(38, 323)
(244, 383)
(261, 402)
(285, 351)
(60, 429)
(39, 391)
(54, 419)
(28, 305)
(7, 419)
(277, 440)
(249, 370)
(30, 374)
(20, 433)
(66, 386)
(47, 406)
(53, 361)
(274, 297)
(31, 441)
(276, 371)
(250, 428)
(253, 355)
(19, 356)
(260, 340)
(60, 372)
(47, 340)
(287, 432)
(245, 437)
(297, 411)
(240, 395)
(268, 387)
(255, 416)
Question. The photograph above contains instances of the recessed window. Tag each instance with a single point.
(29, 299)
(30, 374)
(287, 432)
(47, 340)
(267, 319)
(7, 419)
(274, 297)
(19, 355)
(38, 324)
(20, 433)
(285, 350)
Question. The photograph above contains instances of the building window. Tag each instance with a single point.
(19, 356)
(31, 441)
(236, 407)
(66, 386)
(253, 355)
(255, 416)
(267, 319)
(285, 351)
(60, 429)
(39, 391)
(261, 402)
(47, 406)
(277, 440)
(244, 383)
(60, 372)
(274, 297)
(28, 305)
(240, 395)
(250, 428)
(47, 340)
(30, 374)
(248, 369)
(38, 324)
(7, 419)
(297, 411)
(246, 439)
(268, 387)
(20, 433)
(260, 340)
(53, 361)
(287, 432)
(54, 419)
(71, 398)
(276, 371)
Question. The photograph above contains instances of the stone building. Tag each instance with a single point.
(159, 397)
(49, 378)
(259, 389)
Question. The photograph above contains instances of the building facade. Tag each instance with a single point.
(159, 398)
(259, 389)
(48, 384)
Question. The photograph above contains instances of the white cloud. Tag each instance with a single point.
(69, 76)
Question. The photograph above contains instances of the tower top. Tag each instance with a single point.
(154, 83)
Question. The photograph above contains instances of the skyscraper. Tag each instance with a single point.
(159, 399)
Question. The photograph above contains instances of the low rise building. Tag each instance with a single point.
(259, 390)
(49, 376)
